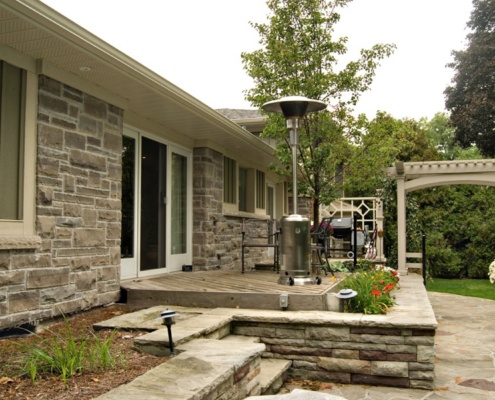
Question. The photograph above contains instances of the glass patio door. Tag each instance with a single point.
(156, 206)
(128, 240)
(153, 196)
(180, 210)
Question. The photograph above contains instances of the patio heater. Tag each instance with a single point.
(295, 266)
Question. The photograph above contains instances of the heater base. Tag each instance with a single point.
(299, 280)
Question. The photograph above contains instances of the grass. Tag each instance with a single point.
(464, 287)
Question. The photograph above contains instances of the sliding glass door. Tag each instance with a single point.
(181, 213)
(153, 205)
(156, 206)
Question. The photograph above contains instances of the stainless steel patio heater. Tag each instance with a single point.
(295, 252)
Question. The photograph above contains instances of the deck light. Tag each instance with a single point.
(344, 296)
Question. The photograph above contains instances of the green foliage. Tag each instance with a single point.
(299, 56)
(64, 355)
(340, 266)
(458, 221)
(373, 289)
(455, 219)
(100, 355)
(61, 355)
(463, 287)
(442, 260)
(441, 134)
(471, 97)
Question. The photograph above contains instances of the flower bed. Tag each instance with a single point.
(374, 290)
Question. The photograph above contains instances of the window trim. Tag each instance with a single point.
(26, 226)
(260, 190)
(230, 190)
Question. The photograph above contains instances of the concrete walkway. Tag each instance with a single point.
(465, 356)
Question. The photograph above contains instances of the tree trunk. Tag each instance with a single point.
(316, 208)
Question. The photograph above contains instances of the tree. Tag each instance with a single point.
(300, 57)
(441, 133)
(471, 97)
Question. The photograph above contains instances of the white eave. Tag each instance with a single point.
(60, 47)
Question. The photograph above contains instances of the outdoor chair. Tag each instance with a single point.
(262, 234)
(320, 245)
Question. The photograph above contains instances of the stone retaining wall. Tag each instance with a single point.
(396, 349)
(74, 262)
(351, 355)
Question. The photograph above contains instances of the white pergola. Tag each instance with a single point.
(411, 176)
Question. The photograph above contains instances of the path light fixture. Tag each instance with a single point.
(168, 320)
(344, 296)
(295, 266)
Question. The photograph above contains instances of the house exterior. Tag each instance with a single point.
(110, 172)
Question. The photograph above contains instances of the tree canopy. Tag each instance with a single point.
(471, 97)
(300, 56)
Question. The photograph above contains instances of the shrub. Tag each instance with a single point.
(373, 289)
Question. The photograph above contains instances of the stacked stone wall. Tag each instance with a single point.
(76, 264)
(217, 238)
(397, 357)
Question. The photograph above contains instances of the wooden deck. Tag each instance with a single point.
(212, 289)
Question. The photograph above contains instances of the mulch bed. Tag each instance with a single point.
(85, 385)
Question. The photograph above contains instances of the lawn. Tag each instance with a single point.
(464, 287)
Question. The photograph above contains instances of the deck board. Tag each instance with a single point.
(219, 288)
(225, 281)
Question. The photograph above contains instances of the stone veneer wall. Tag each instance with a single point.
(78, 207)
(398, 357)
(216, 237)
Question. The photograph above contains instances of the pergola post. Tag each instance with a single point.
(401, 219)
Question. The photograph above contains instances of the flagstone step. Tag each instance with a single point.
(204, 369)
(206, 326)
(273, 371)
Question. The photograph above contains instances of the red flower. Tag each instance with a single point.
(389, 287)
(376, 293)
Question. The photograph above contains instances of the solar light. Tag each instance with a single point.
(344, 296)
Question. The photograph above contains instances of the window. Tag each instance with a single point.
(243, 189)
(18, 91)
(260, 189)
(12, 101)
(229, 180)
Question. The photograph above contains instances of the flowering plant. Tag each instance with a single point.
(491, 272)
(373, 289)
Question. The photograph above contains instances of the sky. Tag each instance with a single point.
(197, 45)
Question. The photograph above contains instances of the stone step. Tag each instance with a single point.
(204, 369)
(273, 374)
(207, 326)
(273, 371)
